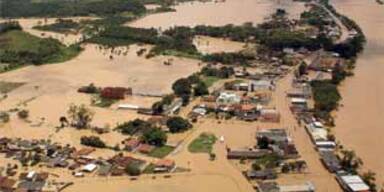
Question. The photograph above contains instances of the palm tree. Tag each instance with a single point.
(370, 178)
(350, 161)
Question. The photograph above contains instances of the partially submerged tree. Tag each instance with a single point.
(154, 136)
(4, 117)
(200, 89)
(63, 121)
(350, 161)
(132, 170)
(23, 114)
(80, 116)
(178, 124)
(370, 179)
(92, 141)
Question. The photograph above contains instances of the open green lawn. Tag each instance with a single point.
(18, 48)
(161, 152)
(18, 41)
(210, 80)
(202, 144)
(149, 169)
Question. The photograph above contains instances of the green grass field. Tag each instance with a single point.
(18, 48)
(210, 80)
(161, 152)
(202, 144)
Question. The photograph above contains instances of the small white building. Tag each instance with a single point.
(298, 101)
(228, 98)
(128, 106)
(353, 183)
(307, 187)
(89, 167)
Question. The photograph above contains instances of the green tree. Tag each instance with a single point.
(370, 179)
(263, 142)
(133, 127)
(256, 166)
(92, 141)
(80, 115)
(178, 124)
(4, 117)
(338, 74)
(182, 87)
(302, 69)
(23, 114)
(350, 161)
(158, 108)
(200, 89)
(132, 170)
(154, 136)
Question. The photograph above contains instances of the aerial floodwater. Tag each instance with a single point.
(218, 13)
(188, 96)
(360, 121)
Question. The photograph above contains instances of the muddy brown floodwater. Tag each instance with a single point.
(360, 122)
(218, 14)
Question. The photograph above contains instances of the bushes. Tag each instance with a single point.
(178, 124)
(133, 127)
(92, 141)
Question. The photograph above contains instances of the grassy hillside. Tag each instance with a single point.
(20, 48)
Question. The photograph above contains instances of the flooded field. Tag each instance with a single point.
(218, 14)
(360, 121)
(208, 45)
(67, 39)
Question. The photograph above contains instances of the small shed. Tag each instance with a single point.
(89, 167)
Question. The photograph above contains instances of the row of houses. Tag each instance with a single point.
(31, 181)
(275, 146)
(275, 187)
(231, 104)
(77, 161)
(325, 145)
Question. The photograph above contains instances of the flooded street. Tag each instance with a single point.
(360, 122)
(218, 14)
